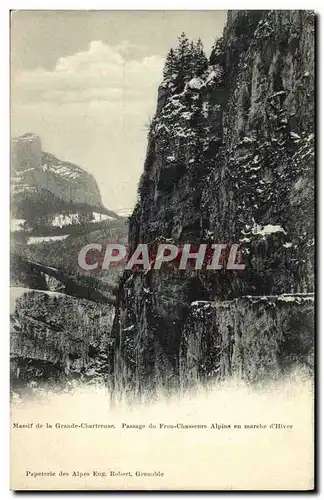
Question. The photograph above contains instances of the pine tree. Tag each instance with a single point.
(217, 55)
(169, 69)
(201, 62)
(192, 67)
(183, 61)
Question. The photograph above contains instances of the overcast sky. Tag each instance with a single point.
(86, 83)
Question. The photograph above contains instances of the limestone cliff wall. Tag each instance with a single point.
(55, 338)
(230, 158)
(251, 338)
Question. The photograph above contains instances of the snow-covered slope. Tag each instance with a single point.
(42, 184)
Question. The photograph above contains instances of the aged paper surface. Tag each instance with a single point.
(162, 238)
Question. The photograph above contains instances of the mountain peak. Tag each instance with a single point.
(43, 183)
(28, 136)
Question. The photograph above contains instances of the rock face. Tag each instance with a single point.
(55, 338)
(229, 159)
(26, 153)
(252, 338)
(60, 326)
(39, 179)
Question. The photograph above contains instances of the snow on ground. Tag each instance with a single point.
(16, 224)
(18, 291)
(61, 220)
(41, 239)
(269, 229)
(28, 137)
(65, 220)
(200, 302)
(99, 217)
(298, 297)
(196, 83)
(187, 115)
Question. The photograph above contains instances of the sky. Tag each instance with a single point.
(86, 82)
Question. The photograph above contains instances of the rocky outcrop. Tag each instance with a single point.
(56, 338)
(251, 338)
(42, 184)
(229, 159)
(26, 153)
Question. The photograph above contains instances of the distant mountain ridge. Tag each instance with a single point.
(41, 184)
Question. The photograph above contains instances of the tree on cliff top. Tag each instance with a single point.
(183, 59)
(200, 61)
(168, 70)
(184, 62)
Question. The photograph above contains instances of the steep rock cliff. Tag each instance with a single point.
(229, 159)
(56, 338)
(252, 338)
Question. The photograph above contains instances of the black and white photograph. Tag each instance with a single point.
(162, 242)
